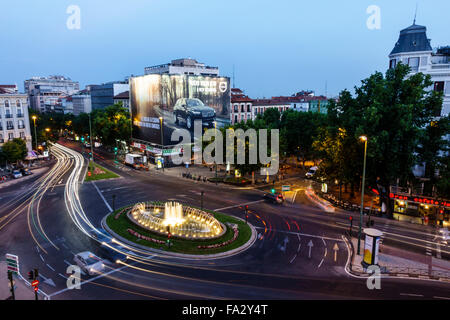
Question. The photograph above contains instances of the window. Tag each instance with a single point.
(414, 63)
(235, 119)
(6, 104)
(22, 135)
(21, 124)
(10, 136)
(235, 108)
(18, 104)
(249, 108)
(392, 64)
(242, 108)
(1, 138)
(439, 86)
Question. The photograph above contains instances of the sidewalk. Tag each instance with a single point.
(16, 181)
(22, 292)
(394, 262)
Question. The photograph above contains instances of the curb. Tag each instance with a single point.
(221, 255)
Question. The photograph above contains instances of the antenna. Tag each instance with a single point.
(415, 14)
(326, 88)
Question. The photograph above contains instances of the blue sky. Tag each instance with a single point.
(277, 47)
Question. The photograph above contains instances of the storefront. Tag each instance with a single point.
(157, 156)
(421, 210)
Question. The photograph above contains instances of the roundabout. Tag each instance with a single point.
(178, 230)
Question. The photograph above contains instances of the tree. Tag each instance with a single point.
(111, 124)
(15, 150)
(392, 111)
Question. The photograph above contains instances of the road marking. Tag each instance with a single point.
(87, 281)
(320, 264)
(40, 255)
(59, 274)
(50, 267)
(411, 294)
(99, 192)
(444, 298)
(239, 205)
(293, 258)
(303, 234)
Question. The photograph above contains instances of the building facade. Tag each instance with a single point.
(81, 102)
(413, 48)
(183, 66)
(45, 92)
(103, 95)
(14, 119)
(123, 98)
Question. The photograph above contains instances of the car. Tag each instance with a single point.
(17, 174)
(26, 172)
(189, 110)
(89, 262)
(310, 174)
(274, 198)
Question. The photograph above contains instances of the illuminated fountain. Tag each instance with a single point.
(182, 222)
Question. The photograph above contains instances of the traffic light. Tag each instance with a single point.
(115, 150)
(30, 275)
(273, 190)
(82, 139)
(36, 274)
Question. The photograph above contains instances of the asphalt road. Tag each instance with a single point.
(41, 222)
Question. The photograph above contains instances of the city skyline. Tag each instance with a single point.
(117, 46)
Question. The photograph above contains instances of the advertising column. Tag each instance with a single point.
(371, 247)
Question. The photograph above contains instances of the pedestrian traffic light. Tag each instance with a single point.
(30, 275)
(36, 289)
(351, 218)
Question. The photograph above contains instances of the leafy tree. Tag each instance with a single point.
(111, 123)
(15, 150)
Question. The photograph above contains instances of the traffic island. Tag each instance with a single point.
(97, 172)
(157, 226)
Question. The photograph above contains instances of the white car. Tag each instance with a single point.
(89, 262)
(17, 174)
(311, 172)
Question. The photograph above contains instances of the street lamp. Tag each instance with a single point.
(161, 119)
(364, 139)
(90, 136)
(35, 135)
(215, 133)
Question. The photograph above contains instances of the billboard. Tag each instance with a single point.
(163, 103)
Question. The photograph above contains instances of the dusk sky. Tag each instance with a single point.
(277, 47)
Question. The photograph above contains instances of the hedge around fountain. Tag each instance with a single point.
(120, 225)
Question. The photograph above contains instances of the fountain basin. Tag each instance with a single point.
(180, 221)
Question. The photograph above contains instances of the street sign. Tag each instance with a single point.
(285, 188)
(35, 283)
(12, 262)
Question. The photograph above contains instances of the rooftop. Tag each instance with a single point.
(412, 39)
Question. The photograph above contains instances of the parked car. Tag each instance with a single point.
(17, 174)
(312, 171)
(89, 262)
(189, 110)
(26, 171)
(274, 198)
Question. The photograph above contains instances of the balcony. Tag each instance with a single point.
(21, 127)
(10, 128)
(8, 116)
(20, 115)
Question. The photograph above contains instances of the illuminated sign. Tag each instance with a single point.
(429, 201)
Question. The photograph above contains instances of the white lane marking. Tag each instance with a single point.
(99, 192)
(239, 205)
(59, 274)
(411, 295)
(302, 234)
(50, 267)
(37, 248)
(40, 255)
(444, 298)
(293, 258)
(320, 264)
(87, 281)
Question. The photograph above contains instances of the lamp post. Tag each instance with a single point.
(90, 136)
(215, 133)
(362, 138)
(35, 135)
(161, 119)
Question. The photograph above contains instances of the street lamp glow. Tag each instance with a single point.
(363, 138)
